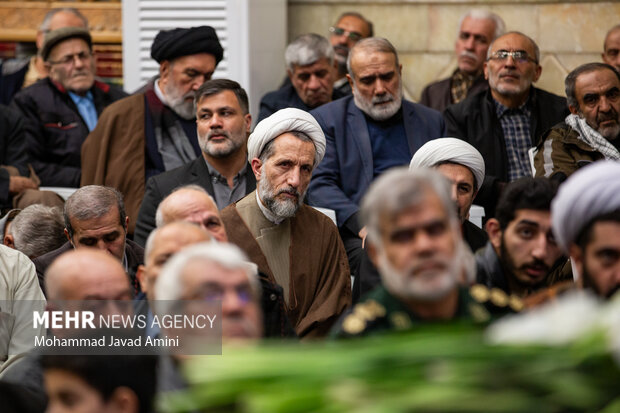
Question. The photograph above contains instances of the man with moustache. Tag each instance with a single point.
(477, 29)
(153, 131)
(591, 132)
(522, 252)
(366, 134)
(60, 110)
(350, 28)
(296, 246)
(223, 124)
(507, 120)
(593, 239)
(414, 240)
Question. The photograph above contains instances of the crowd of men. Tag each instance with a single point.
(178, 198)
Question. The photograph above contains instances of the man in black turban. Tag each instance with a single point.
(153, 130)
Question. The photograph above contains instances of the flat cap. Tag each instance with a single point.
(60, 35)
(170, 44)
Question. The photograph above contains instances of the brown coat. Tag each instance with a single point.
(113, 153)
(320, 283)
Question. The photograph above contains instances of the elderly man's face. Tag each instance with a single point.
(599, 264)
(475, 36)
(463, 188)
(166, 243)
(284, 177)
(416, 257)
(376, 83)
(349, 30)
(104, 233)
(611, 56)
(241, 315)
(180, 78)
(598, 96)
(72, 64)
(509, 77)
(197, 208)
(313, 83)
(527, 247)
(222, 126)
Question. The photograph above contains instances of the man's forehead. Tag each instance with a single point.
(109, 219)
(478, 26)
(612, 37)
(321, 64)
(513, 41)
(173, 239)
(288, 143)
(541, 218)
(593, 80)
(69, 46)
(354, 23)
(204, 270)
(428, 208)
(369, 62)
(455, 172)
(225, 98)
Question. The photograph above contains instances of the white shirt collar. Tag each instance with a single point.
(159, 93)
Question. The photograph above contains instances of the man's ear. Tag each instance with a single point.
(484, 69)
(289, 74)
(248, 123)
(494, 232)
(67, 235)
(576, 256)
(350, 80)
(573, 109)
(257, 167)
(126, 223)
(9, 241)
(124, 400)
(141, 276)
(537, 73)
(373, 253)
(164, 70)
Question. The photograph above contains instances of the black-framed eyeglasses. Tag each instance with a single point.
(355, 36)
(520, 56)
(70, 59)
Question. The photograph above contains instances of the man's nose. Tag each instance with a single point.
(314, 82)
(294, 177)
(541, 244)
(470, 43)
(604, 104)
(215, 122)
(231, 303)
(454, 197)
(380, 87)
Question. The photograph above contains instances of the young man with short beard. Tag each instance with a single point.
(414, 240)
(522, 251)
(223, 124)
(296, 246)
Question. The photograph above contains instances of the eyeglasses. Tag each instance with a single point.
(519, 56)
(355, 36)
(70, 59)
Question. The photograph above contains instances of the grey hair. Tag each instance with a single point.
(269, 149)
(481, 14)
(168, 285)
(308, 49)
(371, 45)
(93, 201)
(399, 189)
(47, 20)
(371, 29)
(536, 49)
(159, 213)
(571, 79)
(38, 229)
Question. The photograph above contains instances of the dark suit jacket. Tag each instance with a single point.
(134, 253)
(346, 171)
(438, 95)
(160, 186)
(286, 97)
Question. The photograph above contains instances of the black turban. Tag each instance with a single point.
(170, 44)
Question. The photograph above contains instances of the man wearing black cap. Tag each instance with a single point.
(60, 110)
(155, 130)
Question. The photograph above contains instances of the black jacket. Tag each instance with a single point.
(134, 253)
(55, 130)
(160, 186)
(12, 150)
(474, 120)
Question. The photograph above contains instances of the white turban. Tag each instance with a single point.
(286, 120)
(450, 150)
(586, 194)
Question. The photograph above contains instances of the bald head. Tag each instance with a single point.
(105, 279)
(192, 204)
(163, 243)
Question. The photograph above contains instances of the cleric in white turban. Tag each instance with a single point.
(450, 150)
(585, 195)
(286, 120)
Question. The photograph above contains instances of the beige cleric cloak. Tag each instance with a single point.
(113, 153)
(320, 283)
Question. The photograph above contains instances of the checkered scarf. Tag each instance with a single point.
(592, 137)
(459, 86)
